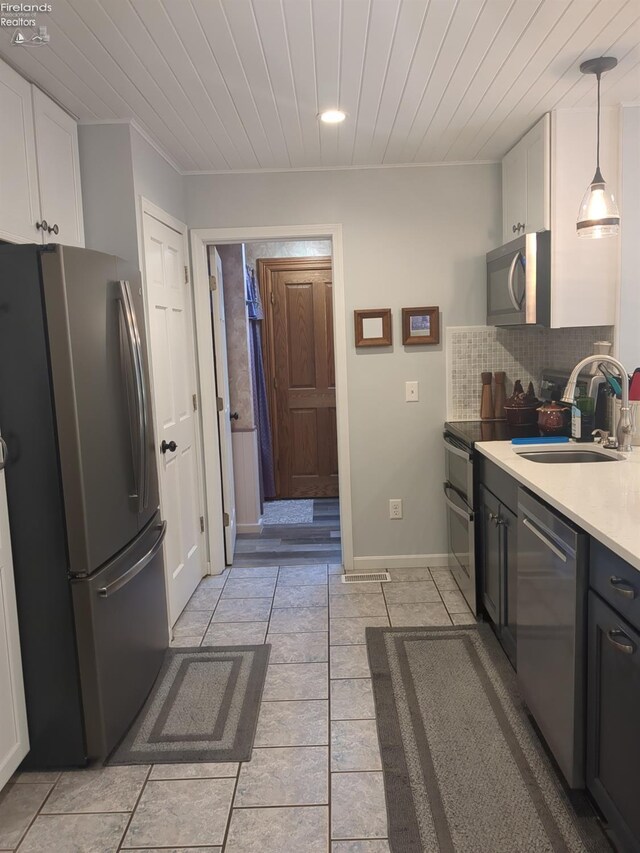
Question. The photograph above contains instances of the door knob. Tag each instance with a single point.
(234, 416)
(172, 446)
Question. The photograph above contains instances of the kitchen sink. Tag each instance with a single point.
(554, 457)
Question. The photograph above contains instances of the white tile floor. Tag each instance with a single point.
(314, 784)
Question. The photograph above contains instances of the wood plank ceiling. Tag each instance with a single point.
(226, 85)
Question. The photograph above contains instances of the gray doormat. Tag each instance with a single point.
(464, 770)
(288, 512)
(203, 707)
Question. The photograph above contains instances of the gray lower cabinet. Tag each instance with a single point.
(613, 703)
(498, 527)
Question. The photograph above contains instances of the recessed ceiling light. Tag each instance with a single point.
(332, 116)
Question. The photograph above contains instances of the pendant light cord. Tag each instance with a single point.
(598, 131)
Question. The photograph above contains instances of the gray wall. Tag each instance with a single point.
(628, 340)
(117, 166)
(412, 237)
(156, 179)
(106, 172)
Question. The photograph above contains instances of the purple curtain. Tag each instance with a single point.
(260, 404)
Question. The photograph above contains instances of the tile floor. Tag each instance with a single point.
(314, 784)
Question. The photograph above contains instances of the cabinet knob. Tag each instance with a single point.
(52, 228)
(44, 225)
(520, 226)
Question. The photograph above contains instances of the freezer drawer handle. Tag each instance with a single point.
(106, 591)
(560, 554)
(626, 647)
(622, 587)
(4, 453)
(451, 448)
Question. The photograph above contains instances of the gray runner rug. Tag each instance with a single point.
(464, 770)
(203, 707)
(288, 512)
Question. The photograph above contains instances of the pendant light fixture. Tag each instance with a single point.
(599, 215)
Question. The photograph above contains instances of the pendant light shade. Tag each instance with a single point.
(598, 215)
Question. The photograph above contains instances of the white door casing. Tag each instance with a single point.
(14, 736)
(224, 405)
(201, 239)
(173, 371)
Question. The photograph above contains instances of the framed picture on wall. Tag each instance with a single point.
(373, 327)
(420, 326)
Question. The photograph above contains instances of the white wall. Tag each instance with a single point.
(412, 237)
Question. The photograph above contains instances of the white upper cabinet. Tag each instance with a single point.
(544, 177)
(19, 200)
(525, 183)
(40, 196)
(58, 171)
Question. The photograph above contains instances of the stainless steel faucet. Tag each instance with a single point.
(624, 428)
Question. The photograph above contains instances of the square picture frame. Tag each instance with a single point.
(373, 327)
(421, 326)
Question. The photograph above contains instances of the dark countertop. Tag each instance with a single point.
(472, 431)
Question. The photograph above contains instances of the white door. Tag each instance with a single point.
(19, 200)
(173, 373)
(58, 171)
(224, 406)
(14, 737)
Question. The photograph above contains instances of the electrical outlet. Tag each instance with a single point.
(395, 508)
(411, 392)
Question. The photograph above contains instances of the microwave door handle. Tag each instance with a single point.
(512, 296)
(451, 448)
(468, 516)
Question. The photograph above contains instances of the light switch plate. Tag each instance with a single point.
(411, 392)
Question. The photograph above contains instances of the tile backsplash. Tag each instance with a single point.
(521, 353)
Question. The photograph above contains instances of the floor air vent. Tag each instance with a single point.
(366, 577)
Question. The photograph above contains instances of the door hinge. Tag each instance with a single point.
(202, 524)
(194, 399)
(213, 284)
(227, 520)
(186, 274)
(220, 404)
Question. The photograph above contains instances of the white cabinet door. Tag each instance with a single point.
(526, 183)
(537, 150)
(14, 738)
(19, 200)
(514, 193)
(58, 171)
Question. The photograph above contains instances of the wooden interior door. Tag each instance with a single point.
(299, 364)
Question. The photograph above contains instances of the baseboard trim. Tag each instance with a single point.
(251, 528)
(400, 561)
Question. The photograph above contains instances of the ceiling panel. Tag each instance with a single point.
(226, 85)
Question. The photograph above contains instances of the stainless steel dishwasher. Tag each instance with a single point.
(552, 588)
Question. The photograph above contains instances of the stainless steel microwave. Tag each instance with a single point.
(519, 282)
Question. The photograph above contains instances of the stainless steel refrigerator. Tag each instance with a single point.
(83, 500)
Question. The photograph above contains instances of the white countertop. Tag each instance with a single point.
(602, 499)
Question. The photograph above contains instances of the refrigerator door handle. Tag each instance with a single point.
(4, 453)
(133, 342)
(129, 575)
